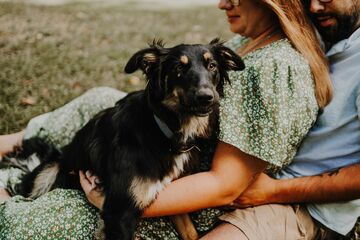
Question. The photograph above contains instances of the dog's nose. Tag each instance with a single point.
(204, 96)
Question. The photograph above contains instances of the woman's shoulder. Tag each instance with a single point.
(279, 62)
(282, 53)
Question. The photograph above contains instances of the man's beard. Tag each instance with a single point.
(346, 24)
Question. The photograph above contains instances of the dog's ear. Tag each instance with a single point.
(228, 59)
(146, 59)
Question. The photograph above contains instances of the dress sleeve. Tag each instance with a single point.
(269, 107)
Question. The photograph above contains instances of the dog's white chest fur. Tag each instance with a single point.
(144, 190)
(196, 126)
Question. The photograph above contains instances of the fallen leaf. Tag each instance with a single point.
(28, 101)
(134, 81)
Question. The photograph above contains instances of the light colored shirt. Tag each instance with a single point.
(334, 141)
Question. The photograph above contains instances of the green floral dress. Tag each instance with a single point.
(267, 110)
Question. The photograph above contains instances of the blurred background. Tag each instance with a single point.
(53, 50)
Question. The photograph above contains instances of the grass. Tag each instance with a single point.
(49, 55)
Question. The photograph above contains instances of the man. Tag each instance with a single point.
(331, 151)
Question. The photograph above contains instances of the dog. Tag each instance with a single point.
(148, 139)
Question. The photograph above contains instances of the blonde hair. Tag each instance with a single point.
(300, 31)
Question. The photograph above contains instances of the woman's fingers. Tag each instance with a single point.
(89, 179)
(85, 183)
(9, 141)
(93, 179)
(89, 183)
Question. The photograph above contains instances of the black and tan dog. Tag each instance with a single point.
(148, 138)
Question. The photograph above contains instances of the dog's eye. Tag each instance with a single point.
(212, 66)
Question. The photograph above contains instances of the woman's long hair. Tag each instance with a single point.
(300, 31)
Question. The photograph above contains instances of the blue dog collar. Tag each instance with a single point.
(164, 127)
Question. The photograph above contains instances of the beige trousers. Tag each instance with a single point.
(278, 222)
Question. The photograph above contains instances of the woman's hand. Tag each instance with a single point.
(4, 195)
(88, 183)
(9, 141)
(261, 192)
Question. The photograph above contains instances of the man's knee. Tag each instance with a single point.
(274, 222)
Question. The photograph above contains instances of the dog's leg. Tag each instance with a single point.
(120, 218)
(119, 227)
(185, 227)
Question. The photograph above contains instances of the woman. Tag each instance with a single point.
(266, 112)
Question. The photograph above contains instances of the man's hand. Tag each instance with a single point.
(259, 193)
(93, 193)
(340, 185)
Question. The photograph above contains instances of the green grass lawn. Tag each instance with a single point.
(49, 55)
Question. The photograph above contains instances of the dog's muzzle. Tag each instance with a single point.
(203, 102)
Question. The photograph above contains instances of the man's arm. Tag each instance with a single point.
(339, 185)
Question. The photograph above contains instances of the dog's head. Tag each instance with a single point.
(186, 79)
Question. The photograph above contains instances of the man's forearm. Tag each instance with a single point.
(340, 185)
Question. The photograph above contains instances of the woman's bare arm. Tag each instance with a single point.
(231, 173)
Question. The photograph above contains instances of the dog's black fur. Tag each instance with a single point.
(124, 145)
